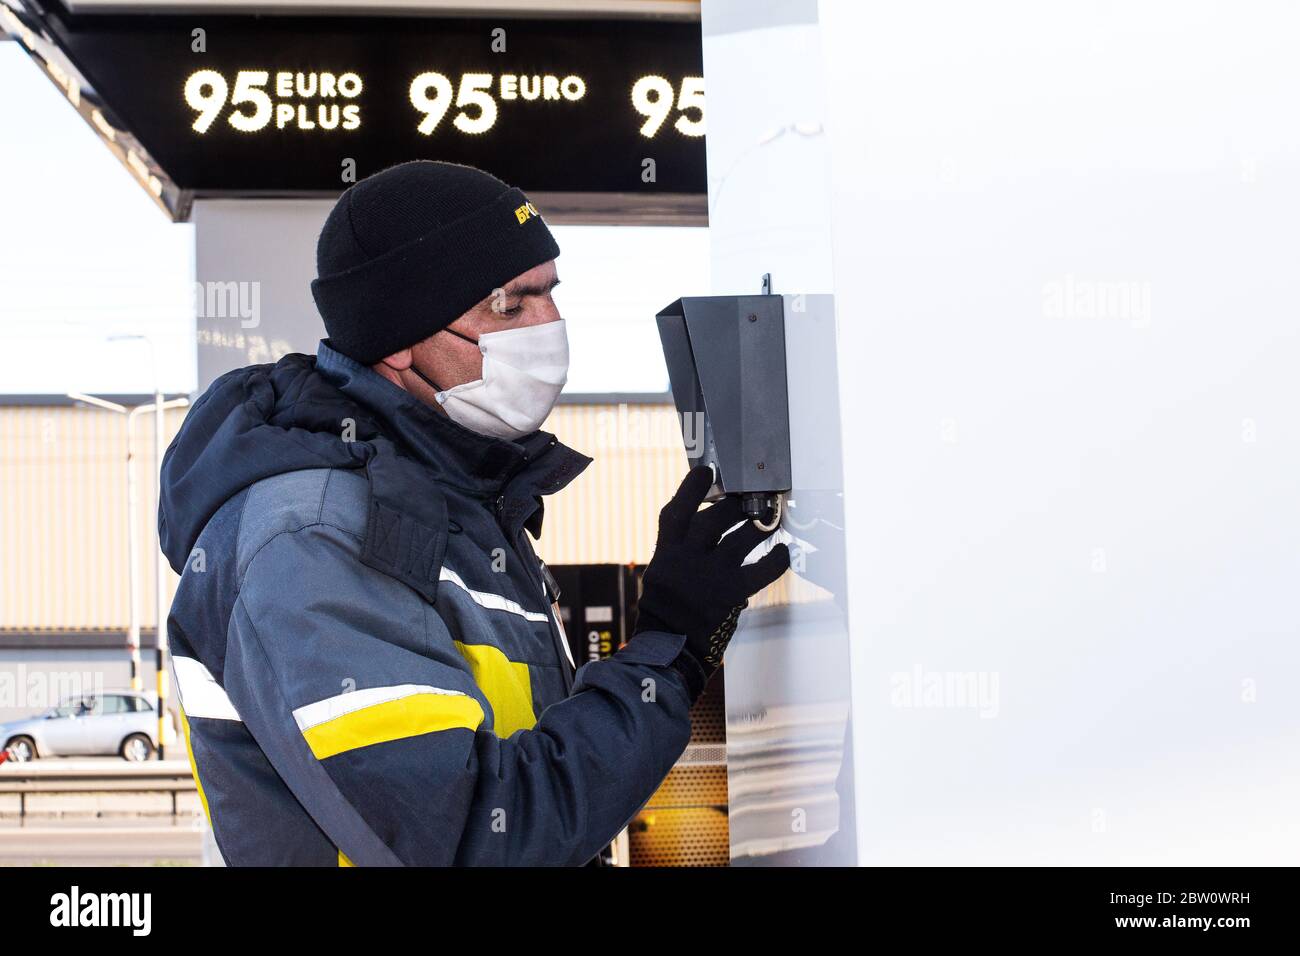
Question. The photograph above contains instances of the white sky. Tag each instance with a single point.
(85, 254)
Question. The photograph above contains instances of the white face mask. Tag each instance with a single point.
(524, 371)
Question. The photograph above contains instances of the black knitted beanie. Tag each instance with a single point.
(407, 251)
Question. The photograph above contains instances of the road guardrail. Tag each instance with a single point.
(64, 788)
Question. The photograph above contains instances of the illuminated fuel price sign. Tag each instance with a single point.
(432, 95)
(286, 104)
(476, 97)
(301, 101)
(653, 98)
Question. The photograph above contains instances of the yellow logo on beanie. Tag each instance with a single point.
(525, 211)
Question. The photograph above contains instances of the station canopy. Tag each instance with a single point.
(595, 108)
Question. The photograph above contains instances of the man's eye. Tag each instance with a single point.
(514, 311)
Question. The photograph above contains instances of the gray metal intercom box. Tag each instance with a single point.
(726, 363)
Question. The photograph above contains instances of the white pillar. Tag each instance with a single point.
(790, 771)
(254, 263)
(1062, 251)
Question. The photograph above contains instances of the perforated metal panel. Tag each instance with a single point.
(709, 716)
(685, 822)
(680, 837)
(687, 786)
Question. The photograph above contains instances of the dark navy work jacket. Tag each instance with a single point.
(364, 646)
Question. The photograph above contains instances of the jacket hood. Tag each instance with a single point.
(251, 423)
(330, 412)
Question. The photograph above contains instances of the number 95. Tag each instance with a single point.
(652, 96)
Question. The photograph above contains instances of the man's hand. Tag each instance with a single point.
(695, 584)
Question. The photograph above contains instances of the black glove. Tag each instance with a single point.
(695, 584)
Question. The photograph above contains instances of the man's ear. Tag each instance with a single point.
(398, 361)
(391, 367)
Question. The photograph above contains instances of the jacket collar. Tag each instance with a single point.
(513, 471)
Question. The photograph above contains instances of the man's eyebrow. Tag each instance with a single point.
(530, 288)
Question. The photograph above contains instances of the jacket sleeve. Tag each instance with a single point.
(336, 667)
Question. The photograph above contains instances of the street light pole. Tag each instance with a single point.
(159, 575)
(132, 555)
(159, 568)
(158, 407)
(159, 571)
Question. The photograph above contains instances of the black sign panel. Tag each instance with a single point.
(290, 104)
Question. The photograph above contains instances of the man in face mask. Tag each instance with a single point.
(504, 361)
(366, 646)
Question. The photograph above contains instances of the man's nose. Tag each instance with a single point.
(548, 312)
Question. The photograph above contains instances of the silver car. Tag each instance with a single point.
(122, 722)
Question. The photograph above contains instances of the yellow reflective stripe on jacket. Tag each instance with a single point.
(343, 859)
(506, 685)
(194, 768)
(380, 714)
